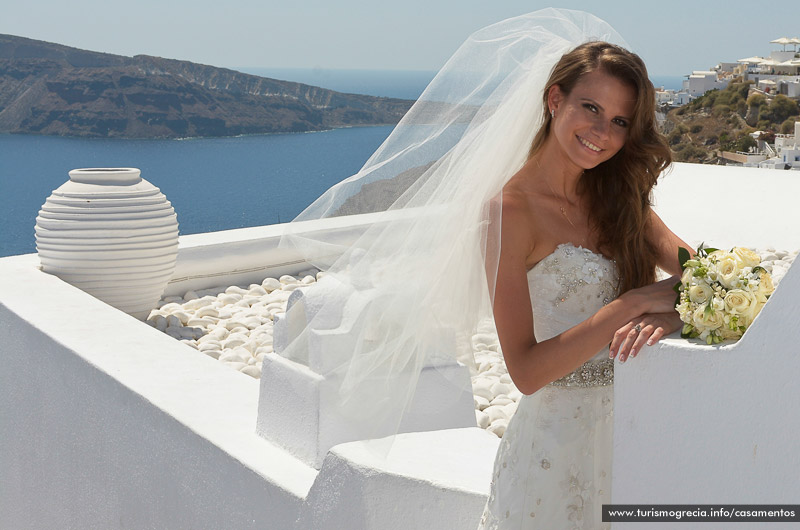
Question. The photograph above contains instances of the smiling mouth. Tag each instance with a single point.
(589, 145)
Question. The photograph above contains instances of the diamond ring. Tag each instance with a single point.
(638, 328)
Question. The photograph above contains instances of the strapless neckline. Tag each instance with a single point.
(559, 248)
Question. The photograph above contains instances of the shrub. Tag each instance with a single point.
(756, 100)
(696, 128)
(721, 110)
(745, 142)
(782, 107)
(787, 127)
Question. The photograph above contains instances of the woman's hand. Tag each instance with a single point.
(658, 297)
(646, 329)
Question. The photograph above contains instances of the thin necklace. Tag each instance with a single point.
(560, 207)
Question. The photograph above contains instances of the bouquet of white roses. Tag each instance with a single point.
(720, 293)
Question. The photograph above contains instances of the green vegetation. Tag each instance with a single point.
(722, 120)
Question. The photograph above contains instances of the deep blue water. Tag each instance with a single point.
(213, 184)
(216, 183)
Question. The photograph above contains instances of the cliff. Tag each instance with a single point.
(48, 88)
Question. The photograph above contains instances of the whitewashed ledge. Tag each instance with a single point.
(107, 423)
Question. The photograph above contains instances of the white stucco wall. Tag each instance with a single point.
(107, 423)
(699, 424)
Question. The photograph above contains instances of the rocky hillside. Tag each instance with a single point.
(722, 120)
(48, 88)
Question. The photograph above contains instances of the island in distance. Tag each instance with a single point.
(52, 89)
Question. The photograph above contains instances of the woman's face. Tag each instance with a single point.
(591, 122)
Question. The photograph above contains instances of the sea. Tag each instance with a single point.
(213, 183)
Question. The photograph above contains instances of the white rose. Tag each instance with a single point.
(728, 271)
(686, 278)
(710, 320)
(700, 293)
(742, 303)
(765, 285)
(746, 257)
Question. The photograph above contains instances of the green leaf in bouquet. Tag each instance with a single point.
(759, 268)
(683, 257)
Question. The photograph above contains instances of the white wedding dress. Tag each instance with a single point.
(553, 466)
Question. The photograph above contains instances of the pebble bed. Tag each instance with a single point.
(234, 325)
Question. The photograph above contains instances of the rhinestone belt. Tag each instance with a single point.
(591, 373)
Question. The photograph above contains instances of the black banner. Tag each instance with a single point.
(701, 513)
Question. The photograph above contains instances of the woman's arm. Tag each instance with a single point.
(667, 243)
(653, 327)
(533, 364)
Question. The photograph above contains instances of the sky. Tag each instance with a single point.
(673, 37)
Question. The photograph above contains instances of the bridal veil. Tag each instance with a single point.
(414, 283)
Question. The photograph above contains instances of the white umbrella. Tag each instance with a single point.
(752, 60)
(786, 40)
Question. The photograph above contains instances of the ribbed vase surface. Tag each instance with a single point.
(112, 234)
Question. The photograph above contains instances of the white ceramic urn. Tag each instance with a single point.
(112, 234)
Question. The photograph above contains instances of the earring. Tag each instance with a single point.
(552, 113)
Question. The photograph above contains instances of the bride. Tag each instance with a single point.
(516, 189)
(577, 231)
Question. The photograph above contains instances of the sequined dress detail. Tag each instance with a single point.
(553, 465)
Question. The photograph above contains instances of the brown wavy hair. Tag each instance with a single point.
(619, 191)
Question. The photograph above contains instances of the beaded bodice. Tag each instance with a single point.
(566, 288)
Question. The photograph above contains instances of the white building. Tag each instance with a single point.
(786, 151)
(777, 74)
(701, 81)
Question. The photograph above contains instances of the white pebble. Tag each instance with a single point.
(173, 322)
(270, 284)
(229, 298)
(160, 323)
(256, 290)
(501, 389)
(197, 303)
(200, 322)
(207, 311)
(242, 352)
(235, 289)
(287, 279)
(483, 389)
(173, 332)
(495, 413)
(219, 333)
(190, 295)
(480, 402)
(251, 370)
(499, 401)
(232, 358)
(498, 427)
(232, 343)
(482, 418)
